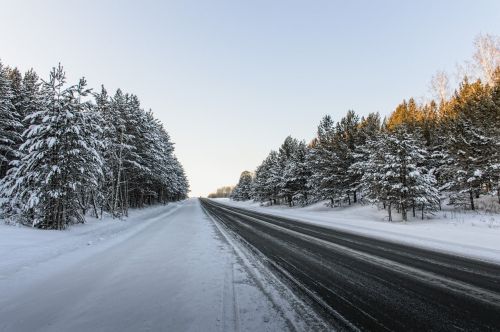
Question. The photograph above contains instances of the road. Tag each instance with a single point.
(369, 284)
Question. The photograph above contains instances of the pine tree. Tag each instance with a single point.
(368, 129)
(322, 159)
(267, 179)
(10, 124)
(471, 141)
(16, 80)
(346, 140)
(242, 191)
(30, 97)
(397, 175)
(60, 157)
(296, 175)
(494, 130)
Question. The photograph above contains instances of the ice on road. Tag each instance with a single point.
(178, 273)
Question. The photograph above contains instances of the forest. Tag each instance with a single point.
(422, 154)
(67, 152)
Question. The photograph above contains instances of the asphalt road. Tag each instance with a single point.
(370, 284)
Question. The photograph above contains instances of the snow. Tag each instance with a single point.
(466, 233)
(30, 247)
(163, 268)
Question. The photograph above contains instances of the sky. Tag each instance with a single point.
(231, 79)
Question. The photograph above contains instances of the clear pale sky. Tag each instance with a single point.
(231, 79)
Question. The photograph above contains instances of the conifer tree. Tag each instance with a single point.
(242, 191)
(368, 129)
(346, 139)
(322, 160)
(10, 124)
(59, 159)
(396, 173)
(267, 179)
(471, 141)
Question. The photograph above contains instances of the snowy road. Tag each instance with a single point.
(370, 283)
(178, 273)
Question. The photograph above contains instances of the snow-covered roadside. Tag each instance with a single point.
(470, 234)
(25, 248)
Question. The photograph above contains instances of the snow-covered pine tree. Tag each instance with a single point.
(165, 179)
(494, 167)
(242, 191)
(346, 139)
(396, 173)
(267, 179)
(60, 157)
(16, 79)
(10, 123)
(368, 129)
(286, 162)
(119, 152)
(322, 159)
(140, 167)
(178, 187)
(30, 95)
(297, 173)
(104, 194)
(155, 152)
(471, 141)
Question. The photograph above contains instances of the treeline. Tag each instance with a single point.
(223, 192)
(406, 162)
(66, 151)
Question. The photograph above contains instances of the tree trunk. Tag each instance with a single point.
(390, 212)
(349, 198)
(471, 197)
(117, 191)
(94, 204)
(422, 212)
(403, 213)
(354, 197)
(498, 192)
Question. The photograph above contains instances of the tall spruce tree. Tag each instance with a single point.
(397, 175)
(60, 157)
(471, 142)
(10, 124)
(368, 129)
(242, 191)
(322, 159)
(267, 179)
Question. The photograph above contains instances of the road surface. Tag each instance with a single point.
(370, 284)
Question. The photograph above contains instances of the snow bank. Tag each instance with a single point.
(466, 233)
(24, 248)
